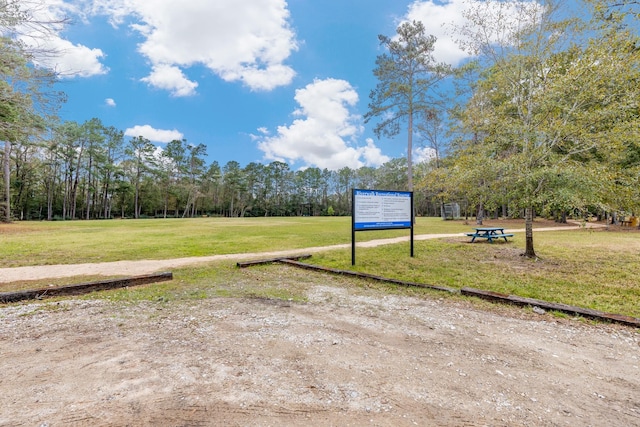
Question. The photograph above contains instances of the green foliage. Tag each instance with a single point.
(27, 102)
(550, 117)
(407, 79)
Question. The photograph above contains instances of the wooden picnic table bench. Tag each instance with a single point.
(489, 233)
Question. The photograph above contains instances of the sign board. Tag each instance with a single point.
(380, 210)
(376, 209)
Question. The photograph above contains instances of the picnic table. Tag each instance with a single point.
(629, 222)
(489, 233)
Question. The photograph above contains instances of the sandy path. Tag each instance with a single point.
(349, 356)
(141, 267)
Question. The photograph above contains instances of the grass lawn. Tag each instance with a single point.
(589, 268)
(586, 268)
(72, 242)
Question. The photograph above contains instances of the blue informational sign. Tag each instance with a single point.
(379, 210)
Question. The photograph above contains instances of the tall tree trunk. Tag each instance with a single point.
(136, 197)
(135, 203)
(7, 181)
(74, 197)
(105, 197)
(76, 182)
(480, 215)
(528, 227)
(166, 205)
(89, 193)
(50, 202)
(410, 162)
(409, 153)
(65, 195)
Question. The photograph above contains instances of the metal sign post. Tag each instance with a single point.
(380, 210)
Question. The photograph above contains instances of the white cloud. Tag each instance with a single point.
(172, 79)
(247, 41)
(440, 19)
(373, 155)
(262, 133)
(51, 50)
(72, 60)
(436, 18)
(325, 131)
(261, 79)
(423, 154)
(155, 135)
(109, 102)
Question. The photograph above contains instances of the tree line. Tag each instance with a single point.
(91, 171)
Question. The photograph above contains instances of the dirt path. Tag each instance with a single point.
(140, 267)
(350, 356)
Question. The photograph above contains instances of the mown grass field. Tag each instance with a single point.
(595, 269)
(586, 268)
(72, 242)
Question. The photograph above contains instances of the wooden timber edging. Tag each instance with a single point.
(84, 288)
(564, 308)
(244, 264)
(486, 295)
(365, 276)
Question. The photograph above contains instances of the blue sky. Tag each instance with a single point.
(253, 80)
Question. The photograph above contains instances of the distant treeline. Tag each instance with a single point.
(89, 171)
